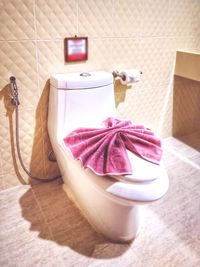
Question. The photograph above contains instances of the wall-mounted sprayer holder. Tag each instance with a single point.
(14, 89)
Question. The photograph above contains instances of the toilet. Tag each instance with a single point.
(113, 205)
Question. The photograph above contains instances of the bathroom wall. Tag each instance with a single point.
(123, 34)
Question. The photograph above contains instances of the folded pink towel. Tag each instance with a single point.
(104, 149)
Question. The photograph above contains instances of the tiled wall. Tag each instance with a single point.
(143, 34)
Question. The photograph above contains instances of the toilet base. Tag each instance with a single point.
(117, 219)
(100, 227)
(71, 196)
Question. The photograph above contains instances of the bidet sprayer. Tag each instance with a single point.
(14, 89)
(15, 102)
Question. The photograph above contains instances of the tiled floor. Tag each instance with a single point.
(40, 226)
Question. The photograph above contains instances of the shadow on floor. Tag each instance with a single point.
(56, 218)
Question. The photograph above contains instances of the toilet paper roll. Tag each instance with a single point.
(130, 76)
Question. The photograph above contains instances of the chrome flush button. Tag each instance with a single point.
(85, 74)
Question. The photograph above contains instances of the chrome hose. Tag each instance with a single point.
(15, 102)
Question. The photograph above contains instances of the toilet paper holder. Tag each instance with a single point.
(116, 74)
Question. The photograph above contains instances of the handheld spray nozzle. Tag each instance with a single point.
(14, 89)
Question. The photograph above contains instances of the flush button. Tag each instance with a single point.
(85, 74)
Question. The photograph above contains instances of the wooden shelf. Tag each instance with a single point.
(188, 65)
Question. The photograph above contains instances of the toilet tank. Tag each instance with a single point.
(79, 100)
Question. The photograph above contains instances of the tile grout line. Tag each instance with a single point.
(35, 39)
(38, 81)
(112, 34)
(134, 37)
(77, 18)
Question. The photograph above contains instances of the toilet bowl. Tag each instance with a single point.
(113, 205)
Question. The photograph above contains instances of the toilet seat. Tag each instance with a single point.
(141, 191)
(148, 182)
(131, 188)
(143, 170)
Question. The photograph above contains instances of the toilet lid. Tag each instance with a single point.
(142, 170)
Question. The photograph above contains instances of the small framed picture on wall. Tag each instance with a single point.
(75, 49)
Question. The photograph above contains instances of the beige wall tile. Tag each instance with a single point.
(12, 173)
(95, 18)
(56, 19)
(51, 168)
(196, 18)
(153, 17)
(36, 151)
(142, 108)
(30, 141)
(16, 19)
(19, 59)
(127, 18)
(182, 17)
(100, 55)
(5, 97)
(50, 59)
(187, 44)
(157, 65)
(126, 53)
(7, 143)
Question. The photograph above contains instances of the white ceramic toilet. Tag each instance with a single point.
(112, 205)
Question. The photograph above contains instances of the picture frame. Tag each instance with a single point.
(75, 49)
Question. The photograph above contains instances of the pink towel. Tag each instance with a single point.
(104, 149)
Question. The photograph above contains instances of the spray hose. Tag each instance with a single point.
(15, 102)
